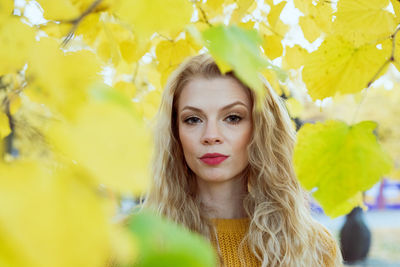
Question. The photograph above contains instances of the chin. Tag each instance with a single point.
(214, 177)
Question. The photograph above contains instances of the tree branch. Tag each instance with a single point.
(391, 59)
(75, 22)
(203, 13)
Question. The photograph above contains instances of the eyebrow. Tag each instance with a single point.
(224, 108)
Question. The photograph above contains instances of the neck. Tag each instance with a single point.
(223, 199)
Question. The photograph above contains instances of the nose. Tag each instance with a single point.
(211, 134)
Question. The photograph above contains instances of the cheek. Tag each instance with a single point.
(242, 140)
(186, 140)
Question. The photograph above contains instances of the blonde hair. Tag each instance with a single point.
(282, 231)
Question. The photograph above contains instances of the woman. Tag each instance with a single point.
(223, 168)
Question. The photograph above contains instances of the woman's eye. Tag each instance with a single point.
(233, 119)
(192, 120)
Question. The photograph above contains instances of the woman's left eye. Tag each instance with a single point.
(233, 119)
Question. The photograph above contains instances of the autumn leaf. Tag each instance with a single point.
(61, 79)
(294, 107)
(16, 39)
(59, 10)
(166, 17)
(6, 8)
(316, 20)
(338, 161)
(294, 57)
(275, 12)
(364, 21)
(109, 140)
(4, 126)
(170, 54)
(338, 66)
(272, 45)
(243, 7)
(50, 218)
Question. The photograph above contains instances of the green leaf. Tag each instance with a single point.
(237, 49)
(339, 161)
(163, 243)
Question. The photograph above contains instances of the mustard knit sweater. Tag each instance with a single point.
(230, 233)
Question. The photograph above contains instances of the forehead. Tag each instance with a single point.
(209, 93)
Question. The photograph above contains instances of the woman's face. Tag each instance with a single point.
(215, 126)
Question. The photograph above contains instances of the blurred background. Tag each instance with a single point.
(383, 220)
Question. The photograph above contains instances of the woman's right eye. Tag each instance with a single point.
(192, 120)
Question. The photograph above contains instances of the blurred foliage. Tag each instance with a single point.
(80, 86)
(163, 243)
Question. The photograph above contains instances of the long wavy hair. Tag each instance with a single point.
(282, 231)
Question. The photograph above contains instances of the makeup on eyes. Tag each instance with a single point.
(238, 116)
(239, 111)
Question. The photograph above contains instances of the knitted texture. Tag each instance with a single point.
(230, 233)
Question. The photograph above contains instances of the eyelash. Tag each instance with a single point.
(237, 119)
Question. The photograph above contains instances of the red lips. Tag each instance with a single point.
(213, 158)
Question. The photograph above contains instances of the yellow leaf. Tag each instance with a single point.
(61, 79)
(275, 13)
(337, 66)
(248, 25)
(281, 28)
(243, 7)
(294, 57)
(364, 21)
(303, 5)
(108, 43)
(15, 104)
(165, 74)
(128, 51)
(396, 52)
(171, 54)
(212, 8)
(83, 5)
(56, 30)
(273, 80)
(6, 8)
(110, 142)
(125, 245)
(272, 45)
(104, 50)
(193, 34)
(317, 20)
(126, 88)
(90, 28)
(150, 103)
(16, 39)
(4, 126)
(294, 107)
(149, 16)
(59, 10)
(149, 74)
(51, 218)
(396, 7)
(310, 29)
